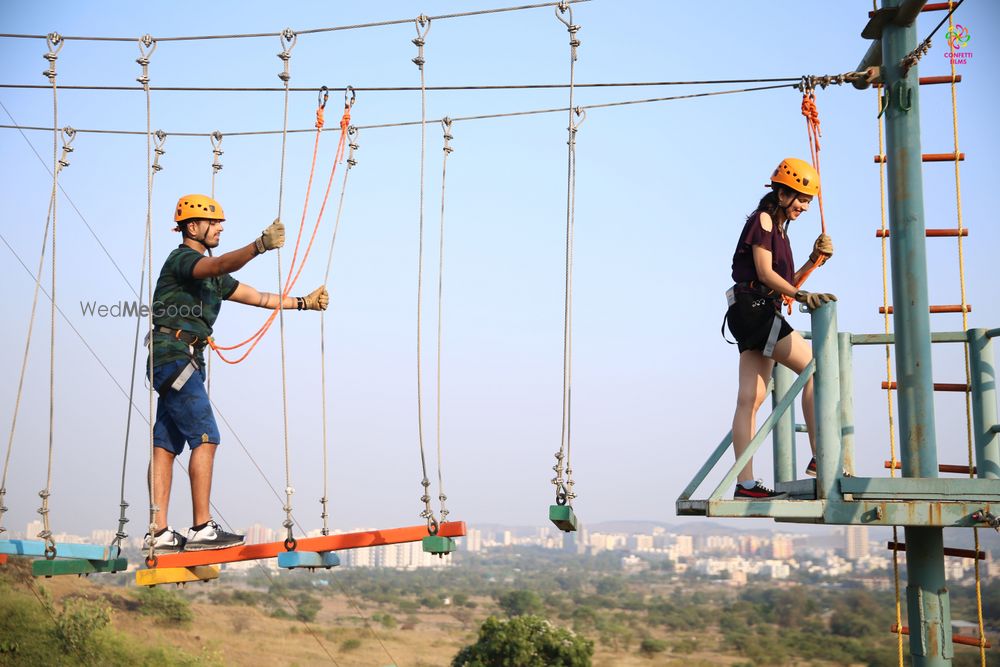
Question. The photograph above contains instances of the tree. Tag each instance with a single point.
(525, 641)
(520, 603)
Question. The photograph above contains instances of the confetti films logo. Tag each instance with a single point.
(958, 39)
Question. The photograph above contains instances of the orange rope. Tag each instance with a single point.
(256, 337)
(811, 113)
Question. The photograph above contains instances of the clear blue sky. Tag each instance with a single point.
(662, 192)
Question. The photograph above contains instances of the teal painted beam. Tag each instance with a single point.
(984, 404)
(936, 514)
(63, 566)
(707, 467)
(784, 430)
(826, 391)
(846, 355)
(993, 333)
(308, 559)
(63, 550)
(890, 339)
(730, 479)
(906, 488)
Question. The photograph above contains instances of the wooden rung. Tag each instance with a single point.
(938, 386)
(176, 575)
(60, 566)
(948, 551)
(931, 80)
(929, 233)
(957, 308)
(942, 467)
(931, 157)
(308, 559)
(955, 639)
(367, 538)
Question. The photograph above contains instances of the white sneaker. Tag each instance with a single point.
(211, 536)
(167, 540)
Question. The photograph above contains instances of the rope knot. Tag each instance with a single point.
(320, 121)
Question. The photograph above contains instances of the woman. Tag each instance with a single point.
(764, 272)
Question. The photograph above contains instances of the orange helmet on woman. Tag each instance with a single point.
(798, 175)
(197, 207)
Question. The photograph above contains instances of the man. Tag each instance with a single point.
(189, 293)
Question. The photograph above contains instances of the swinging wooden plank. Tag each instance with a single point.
(3, 559)
(63, 550)
(310, 559)
(438, 545)
(176, 575)
(369, 538)
(59, 566)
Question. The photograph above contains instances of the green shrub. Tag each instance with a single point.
(350, 644)
(650, 647)
(164, 605)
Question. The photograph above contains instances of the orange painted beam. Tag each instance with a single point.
(955, 639)
(938, 386)
(370, 538)
(936, 309)
(931, 157)
(3, 559)
(929, 233)
(948, 551)
(942, 467)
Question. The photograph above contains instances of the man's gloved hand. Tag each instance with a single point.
(271, 238)
(318, 299)
(823, 247)
(813, 299)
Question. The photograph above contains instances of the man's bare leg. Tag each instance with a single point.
(163, 474)
(200, 472)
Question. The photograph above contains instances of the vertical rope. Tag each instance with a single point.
(24, 365)
(288, 39)
(123, 505)
(147, 45)
(351, 162)
(423, 26)
(965, 327)
(447, 149)
(564, 488)
(55, 43)
(216, 138)
(888, 374)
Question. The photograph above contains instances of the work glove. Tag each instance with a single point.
(318, 299)
(271, 238)
(822, 249)
(813, 300)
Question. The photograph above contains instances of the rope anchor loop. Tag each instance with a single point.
(571, 28)
(217, 152)
(159, 138)
(350, 96)
(322, 95)
(55, 43)
(288, 39)
(423, 26)
(147, 45)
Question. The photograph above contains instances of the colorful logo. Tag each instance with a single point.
(958, 37)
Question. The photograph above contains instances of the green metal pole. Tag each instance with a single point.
(784, 430)
(927, 597)
(984, 404)
(826, 391)
(846, 353)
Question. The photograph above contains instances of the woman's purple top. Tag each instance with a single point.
(753, 234)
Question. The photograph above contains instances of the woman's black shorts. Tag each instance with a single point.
(755, 321)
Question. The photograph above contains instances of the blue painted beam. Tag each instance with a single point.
(63, 550)
(298, 559)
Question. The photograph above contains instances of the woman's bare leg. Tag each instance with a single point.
(755, 373)
(794, 353)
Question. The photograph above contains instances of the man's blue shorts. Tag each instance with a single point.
(185, 415)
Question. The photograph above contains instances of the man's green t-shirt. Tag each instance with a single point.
(181, 301)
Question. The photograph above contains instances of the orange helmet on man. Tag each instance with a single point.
(197, 207)
(798, 175)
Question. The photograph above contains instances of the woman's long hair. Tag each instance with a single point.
(770, 204)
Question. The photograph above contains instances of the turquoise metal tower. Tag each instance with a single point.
(919, 501)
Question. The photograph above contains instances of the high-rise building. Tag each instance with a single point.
(782, 547)
(856, 542)
(32, 530)
(685, 546)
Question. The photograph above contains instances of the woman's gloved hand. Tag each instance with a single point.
(813, 300)
(822, 248)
